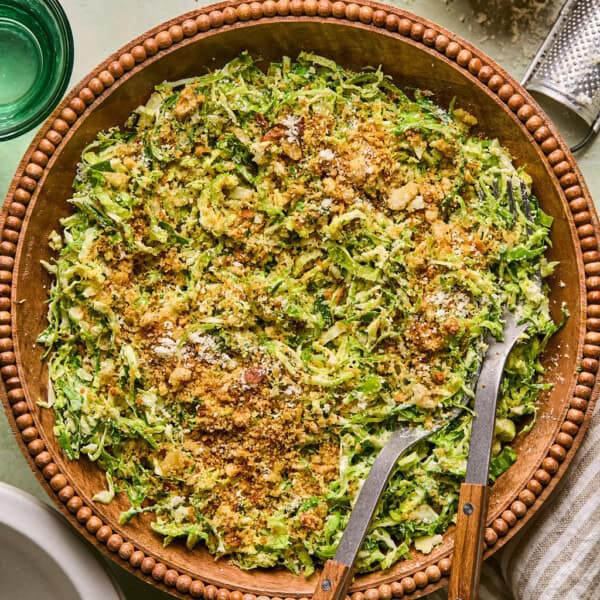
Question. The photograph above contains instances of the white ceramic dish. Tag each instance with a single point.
(41, 556)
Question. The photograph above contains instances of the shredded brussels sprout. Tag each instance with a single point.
(263, 276)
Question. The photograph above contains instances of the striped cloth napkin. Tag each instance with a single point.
(557, 555)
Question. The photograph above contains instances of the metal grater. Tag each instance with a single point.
(566, 68)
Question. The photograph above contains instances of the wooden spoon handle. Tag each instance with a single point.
(468, 542)
(334, 581)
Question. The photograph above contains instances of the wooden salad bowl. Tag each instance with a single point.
(356, 34)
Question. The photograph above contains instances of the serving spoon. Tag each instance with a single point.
(336, 575)
(337, 572)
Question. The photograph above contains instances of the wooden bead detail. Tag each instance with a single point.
(28, 183)
(114, 542)
(474, 66)
(223, 594)
(490, 536)
(352, 11)
(433, 573)
(576, 416)
(93, 524)
(126, 550)
(189, 27)
(452, 50)
(45, 145)
(176, 33)
(58, 482)
(542, 476)
(84, 514)
(541, 134)
(115, 69)
(29, 434)
(42, 458)
(22, 195)
(562, 168)
(534, 489)
(53, 136)
(87, 95)
(397, 591)
(556, 156)
(408, 585)
(216, 18)
(197, 589)
(170, 577)
(256, 10)
(430, 37)
(127, 61)
(74, 504)
(534, 123)
(338, 10)
(550, 465)
(391, 22)
(203, 23)
(103, 533)
(24, 421)
(357, 596)
(147, 565)
(568, 180)
(515, 102)
(420, 579)
(404, 26)
(20, 408)
(183, 584)
(500, 526)
(525, 112)
(158, 572)
(151, 46)
(230, 14)
(485, 73)
(441, 42)
(324, 9)
(136, 559)
(510, 517)
(365, 14)
(569, 428)
(549, 145)
(519, 509)
(139, 54)
(16, 395)
(163, 40)
(495, 82)
(557, 453)
(564, 439)
(585, 378)
(464, 57)
(210, 592)
(416, 31)
(589, 243)
(66, 493)
(371, 594)
(39, 158)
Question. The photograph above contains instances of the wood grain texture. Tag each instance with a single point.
(415, 52)
(468, 542)
(334, 581)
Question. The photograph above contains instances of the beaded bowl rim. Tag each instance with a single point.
(210, 20)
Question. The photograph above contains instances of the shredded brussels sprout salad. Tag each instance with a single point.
(264, 275)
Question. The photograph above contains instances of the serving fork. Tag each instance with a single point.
(336, 575)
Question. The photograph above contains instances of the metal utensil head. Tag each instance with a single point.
(567, 66)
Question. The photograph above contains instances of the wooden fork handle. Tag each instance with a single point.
(468, 542)
(334, 581)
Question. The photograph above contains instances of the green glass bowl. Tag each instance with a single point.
(36, 60)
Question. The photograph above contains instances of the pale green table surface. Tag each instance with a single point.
(101, 27)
